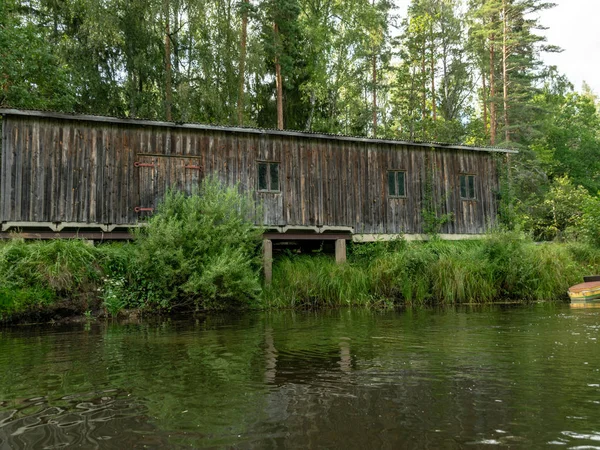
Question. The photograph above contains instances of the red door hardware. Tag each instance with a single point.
(139, 164)
(194, 167)
(139, 209)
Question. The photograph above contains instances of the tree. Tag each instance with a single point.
(435, 70)
(244, 7)
(282, 39)
(31, 75)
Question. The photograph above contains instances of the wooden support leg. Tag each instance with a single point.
(268, 260)
(340, 251)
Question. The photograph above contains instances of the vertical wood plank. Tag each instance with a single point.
(5, 165)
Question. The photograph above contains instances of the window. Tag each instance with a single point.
(397, 183)
(268, 176)
(467, 187)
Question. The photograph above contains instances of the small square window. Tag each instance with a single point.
(268, 176)
(467, 187)
(397, 183)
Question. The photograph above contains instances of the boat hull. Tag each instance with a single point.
(585, 292)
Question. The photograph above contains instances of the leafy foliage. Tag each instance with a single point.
(450, 70)
(560, 214)
(199, 250)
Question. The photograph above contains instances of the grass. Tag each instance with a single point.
(37, 278)
(501, 267)
(318, 282)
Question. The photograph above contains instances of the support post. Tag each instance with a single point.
(340, 251)
(268, 260)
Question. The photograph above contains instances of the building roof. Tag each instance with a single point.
(263, 131)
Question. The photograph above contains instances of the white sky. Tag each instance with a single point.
(573, 25)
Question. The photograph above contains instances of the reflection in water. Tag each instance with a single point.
(345, 358)
(85, 421)
(519, 377)
(270, 357)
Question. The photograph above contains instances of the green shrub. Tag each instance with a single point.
(566, 212)
(19, 300)
(590, 221)
(199, 250)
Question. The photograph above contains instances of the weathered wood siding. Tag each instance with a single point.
(59, 170)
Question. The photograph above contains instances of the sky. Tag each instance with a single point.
(572, 25)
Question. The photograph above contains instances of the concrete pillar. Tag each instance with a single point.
(268, 260)
(340, 251)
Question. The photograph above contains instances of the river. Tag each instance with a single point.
(474, 377)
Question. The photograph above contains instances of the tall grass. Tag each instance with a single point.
(35, 275)
(501, 267)
(317, 282)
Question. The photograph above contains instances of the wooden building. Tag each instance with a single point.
(97, 176)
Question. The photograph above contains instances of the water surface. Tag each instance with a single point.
(518, 377)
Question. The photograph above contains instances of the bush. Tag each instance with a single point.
(199, 250)
(559, 215)
(590, 221)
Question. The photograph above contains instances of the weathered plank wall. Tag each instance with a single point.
(60, 170)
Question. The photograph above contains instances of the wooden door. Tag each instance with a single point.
(157, 174)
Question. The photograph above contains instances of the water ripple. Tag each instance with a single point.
(346, 379)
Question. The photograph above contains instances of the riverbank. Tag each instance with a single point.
(501, 267)
(53, 280)
(202, 252)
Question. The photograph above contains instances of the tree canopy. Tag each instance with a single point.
(466, 71)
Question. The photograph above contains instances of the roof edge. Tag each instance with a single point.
(263, 131)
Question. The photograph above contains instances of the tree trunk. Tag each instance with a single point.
(448, 111)
(424, 93)
(492, 91)
(433, 99)
(242, 67)
(505, 71)
(374, 87)
(311, 114)
(168, 80)
(374, 95)
(484, 101)
(278, 80)
(132, 94)
(412, 106)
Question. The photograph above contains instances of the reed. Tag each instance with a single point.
(312, 282)
(501, 267)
